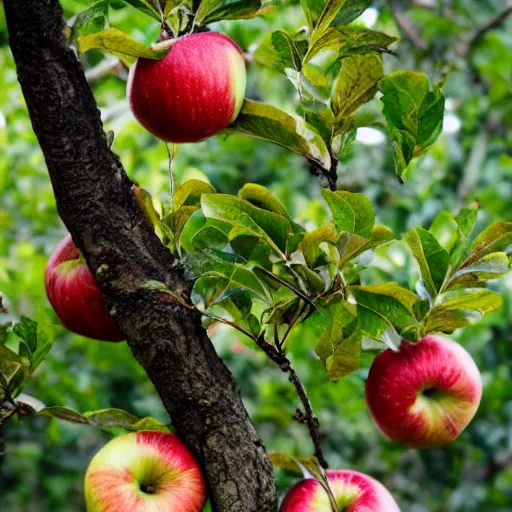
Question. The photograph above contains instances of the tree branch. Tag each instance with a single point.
(496, 22)
(308, 416)
(330, 175)
(276, 353)
(407, 27)
(95, 201)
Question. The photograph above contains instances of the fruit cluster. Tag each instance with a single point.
(423, 395)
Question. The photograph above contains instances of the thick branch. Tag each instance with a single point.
(95, 201)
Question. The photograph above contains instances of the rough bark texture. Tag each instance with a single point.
(95, 201)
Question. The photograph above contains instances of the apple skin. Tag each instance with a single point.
(424, 395)
(144, 472)
(353, 492)
(193, 92)
(75, 295)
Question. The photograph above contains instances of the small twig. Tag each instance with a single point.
(297, 292)
(231, 324)
(162, 45)
(330, 175)
(407, 28)
(496, 22)
(308, 416)
(292, 324)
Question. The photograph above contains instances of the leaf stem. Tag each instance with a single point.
(297, 292)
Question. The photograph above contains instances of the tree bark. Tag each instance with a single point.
(95, 200)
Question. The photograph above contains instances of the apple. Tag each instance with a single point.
(75, 295)
(144, 472)
(193, 92)
(352, 491)
(424, 395)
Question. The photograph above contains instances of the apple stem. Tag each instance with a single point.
(162, 45)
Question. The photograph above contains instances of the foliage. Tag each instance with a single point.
(283, 253)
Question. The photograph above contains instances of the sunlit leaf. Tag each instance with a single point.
(247, 219)
(113, 40)
(356, 83)
(431, 257)
(460, 308)
(269, 123)
(414, 112)
(216, 10)
(351, 212)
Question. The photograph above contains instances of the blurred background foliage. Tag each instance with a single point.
(471, 162)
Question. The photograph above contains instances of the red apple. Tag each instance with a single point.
(352, 491)
(144, 472)
(75, 296)
(193, 92)
(424, 395)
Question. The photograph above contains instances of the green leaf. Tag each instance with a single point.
(210, 237)
(113, 40)
(350, 11)
(331, 10)
(312, 9)
(349, 41)
(310, 245)
(491, 266)
(455, 309)
(187, 200)
(247, 219)
(338, 338)
(146, 7)
(351, 212)
(26, 329)
(431, 257)
(106, 418)
(356, 83)
(269, 123)
(445, 230)
(496, 238)
(44, 344)
(145, 202)
(414, 114)
(170, 5)
(189, 193)
(466, 220)
(261, 197)
(219, 277)
(279, 51)
(292, 464)
(216, 10)
(383, 309)
(351, 246)
(91, 20)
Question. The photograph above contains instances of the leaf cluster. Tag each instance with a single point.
(256, 269)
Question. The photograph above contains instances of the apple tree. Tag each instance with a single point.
(171, 269)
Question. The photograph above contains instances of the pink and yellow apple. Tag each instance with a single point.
(193, 92)
(144, 472)
(75, 295)
(424, 395)
(352, 491)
